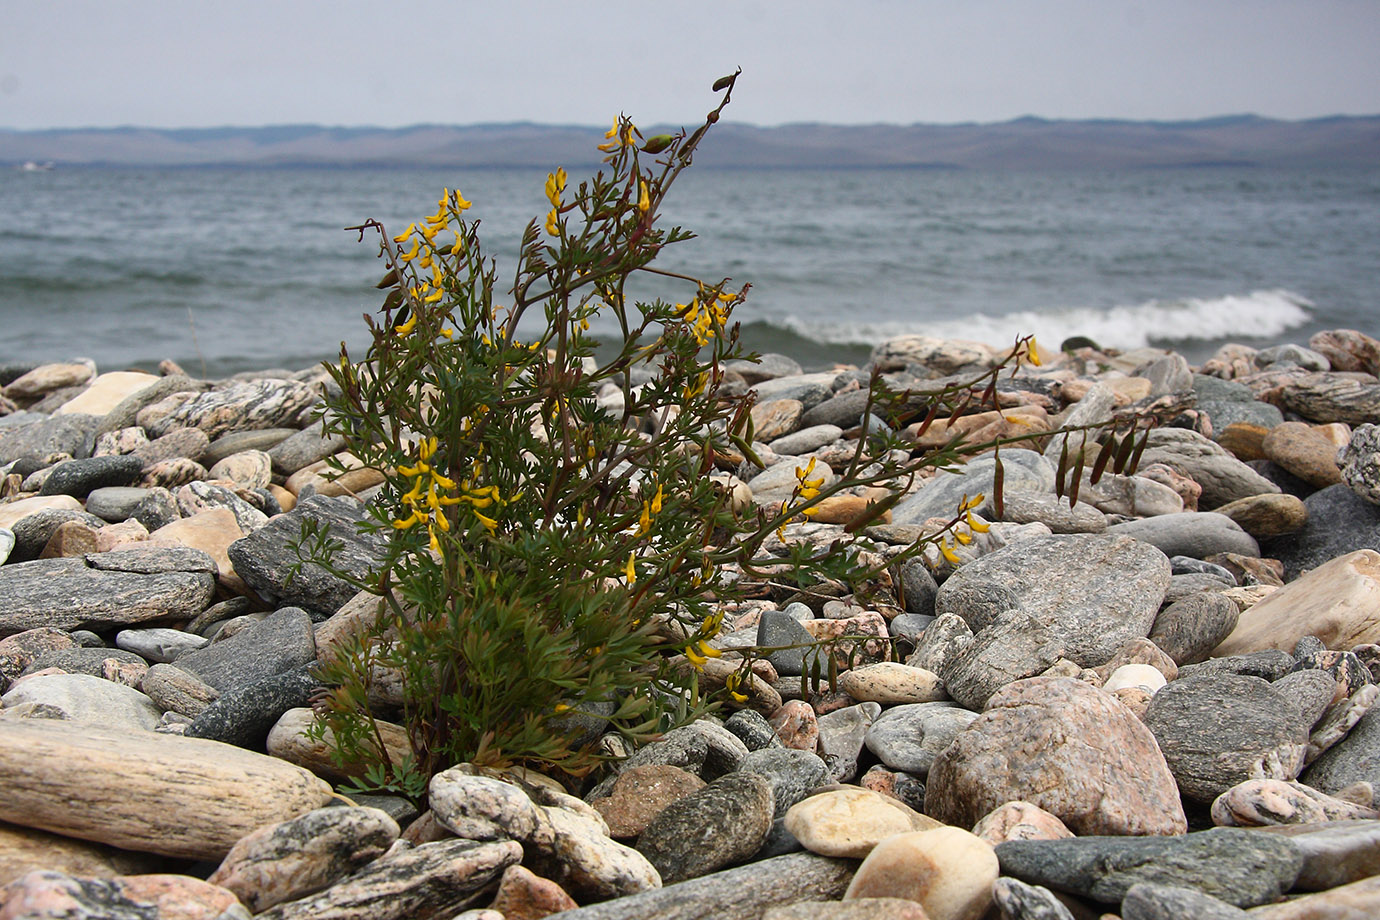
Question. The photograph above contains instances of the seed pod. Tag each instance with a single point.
(833, 673)
(724, 82)
(929, 420)
(1062, 468)
(1109, 447)
(1123, 453)
(389, 279)
(1078, 472)
(1134, 462)
(657, 143)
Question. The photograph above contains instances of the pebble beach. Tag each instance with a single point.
(1153, 703)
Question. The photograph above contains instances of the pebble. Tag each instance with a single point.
(173, 497)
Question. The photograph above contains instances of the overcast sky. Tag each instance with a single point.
(66, 63)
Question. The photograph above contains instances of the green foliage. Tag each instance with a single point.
(560, 539)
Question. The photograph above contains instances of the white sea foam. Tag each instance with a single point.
(1259, 314)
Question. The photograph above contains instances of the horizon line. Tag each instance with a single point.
(1230, 117)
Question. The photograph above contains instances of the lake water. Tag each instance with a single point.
(225, 270)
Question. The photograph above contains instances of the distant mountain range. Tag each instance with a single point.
(1025, 143)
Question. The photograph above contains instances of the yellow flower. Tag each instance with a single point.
(460, 203)
(696, 660)
(402, 237)
(732, 683)
(551, 226)
(963, 536)
(707, 650)
(976, 525)
(630, 570)
(656, 500)
(411, 253)
(555, 184)
(644, 200)
(1032, 352)
(432, 298)
(489, 523)
(947, 552)
(968, 504)
(408, 326)
(406, 522)
(644, 522)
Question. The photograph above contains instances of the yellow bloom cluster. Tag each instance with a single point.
(698, 651)
(620, 135)
(964, 537)
(703, 318)
(650, 509)
(808, 488)
(432, 492)
(732, 683)
(432, 290)
(555, 185)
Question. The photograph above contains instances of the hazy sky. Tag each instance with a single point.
(245, 62)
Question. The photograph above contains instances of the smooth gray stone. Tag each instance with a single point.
(7, 542)
(724, 823)
(264, 559)
(32, 532)
(243, 716)
(234, 442)
(79, 477)
(1339, 522)
(1241, 867)
(1054, 512)
(152, 560)
(791, 773)
(1306, 358)
(909, 626)
(1188, 565)
(159, 645)
(73, 434)
(841, 735)
(1190, 628)
(909, 737)
(1025, 471)
(941, 642)
(704, 748)
(1227, 402)
(115, 503)
(842, 409)
(809, 389)
(753, 729)
(1354, 759)
(1223, 477)
(1311, 690)
(1095, 591)
(304, 448)
(77, 592)
(1215, 730)
(1018, 901)
(1150, 901)
(1013, 646)
(804, 440)
(745, 891)
(767, 367)
(89, 660)
(280, 642)
(776, 629)
(86, 699)
(1268, 664)
(1190, 533)
(918, 588)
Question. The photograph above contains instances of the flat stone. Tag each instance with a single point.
(46, 436)
(91, 592)
(96, 784)
(235, 406)
(24, 850)
(46, 378)
(809, 389)
(1338, 602)
(1189, 629)
(891, 682)
(290, 859)
(1241, 867)
(1024, 471)
(48, 895)
(1211, 746)
(1357, 901)
(1195, 534)
(158, 644)
(106, 391)
(85, 700)
(1336, 852)
(1081, 756)
(429, 880)
(1354, 758)
(1054, 512)
(1094, 592)
(714, 827)
(1149, 901)
(746, 891)
(857, 909)
(1223, 477)
(1332, 397)
(910, 737)
(1267, 516)
(280, 642)
(1265, 802)
(115, 503)
(264, 558)
(175, 690)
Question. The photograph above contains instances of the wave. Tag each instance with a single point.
(1259, 314)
